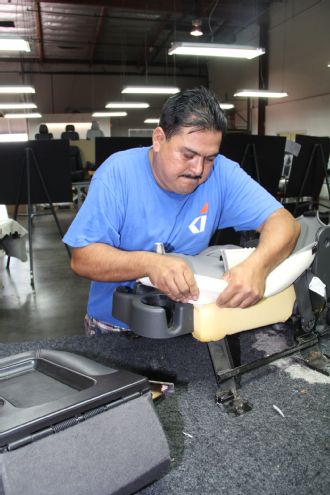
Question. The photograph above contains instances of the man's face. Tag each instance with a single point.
(184, 161)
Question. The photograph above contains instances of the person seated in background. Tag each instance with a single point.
(177, 192)
(94, 131)
(70, 133)
(43, 133)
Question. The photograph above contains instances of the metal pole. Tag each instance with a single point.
(28, 183)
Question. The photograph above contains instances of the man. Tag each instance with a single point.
(178, 192)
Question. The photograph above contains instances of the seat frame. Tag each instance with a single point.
(310, 322)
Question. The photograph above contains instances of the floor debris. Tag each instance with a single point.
(277, 409)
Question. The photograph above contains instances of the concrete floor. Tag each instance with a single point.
(57, 306)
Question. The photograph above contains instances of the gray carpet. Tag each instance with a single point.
(260, 452)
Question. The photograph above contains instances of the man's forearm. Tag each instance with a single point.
(105, 263)
(246, 281)
(278, 237)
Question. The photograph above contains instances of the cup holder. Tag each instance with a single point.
(161, 301)
(141, 289)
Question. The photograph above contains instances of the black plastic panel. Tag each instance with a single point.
(53, 161)
(104, 147)
(41, 388)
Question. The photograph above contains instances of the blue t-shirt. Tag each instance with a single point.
(127, 209)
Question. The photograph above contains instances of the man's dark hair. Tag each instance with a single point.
(197, 108)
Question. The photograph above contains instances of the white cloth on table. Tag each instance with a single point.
(12, 239)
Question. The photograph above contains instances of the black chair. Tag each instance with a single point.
(70, 133)
(43, 133)
(77, 171)
(307, 175)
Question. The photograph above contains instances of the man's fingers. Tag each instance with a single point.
(237, 296)
(237, 301)
(181, 289)
(174, 277)
(191, 283)
(229, 300)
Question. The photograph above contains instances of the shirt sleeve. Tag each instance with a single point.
(99, 219)
(246, 203)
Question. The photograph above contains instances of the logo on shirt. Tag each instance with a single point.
(198, 224)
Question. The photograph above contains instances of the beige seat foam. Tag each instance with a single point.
(212, 323)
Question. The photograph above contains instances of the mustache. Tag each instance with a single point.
(190, 176)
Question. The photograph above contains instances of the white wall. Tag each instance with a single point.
(303, 116)
(298, 56)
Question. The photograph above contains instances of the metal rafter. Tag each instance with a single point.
(99, 29)
(40, 40)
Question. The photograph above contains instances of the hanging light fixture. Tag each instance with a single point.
(32, 115)
(226, 106)
(16, 89)
(170, 90)
(127, 104)
(151, 121)
(16, 106)
(215, 50)
(109, 114)
(196, 28)
(14, 45)
(260, 93)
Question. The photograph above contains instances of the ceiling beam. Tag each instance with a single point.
(99, 29)
(151, 43)
(176, 6)
(109, 72)
(165, 43)
(135, 69)
(40, 37)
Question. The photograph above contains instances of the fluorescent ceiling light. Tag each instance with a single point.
(14, 45)
(13, 138)
(215, 50)
(165, 90)
(16, 89)
(226, 106)
(109, 114)
(16, 106)
(151, 121)
(260, 93)
(126, 105)
(33, 115)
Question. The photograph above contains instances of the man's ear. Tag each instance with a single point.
(158, 137)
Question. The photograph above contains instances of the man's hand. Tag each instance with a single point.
(246, 281)
(245, 287)
(172, 275)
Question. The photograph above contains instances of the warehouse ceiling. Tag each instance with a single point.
(116, 35)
